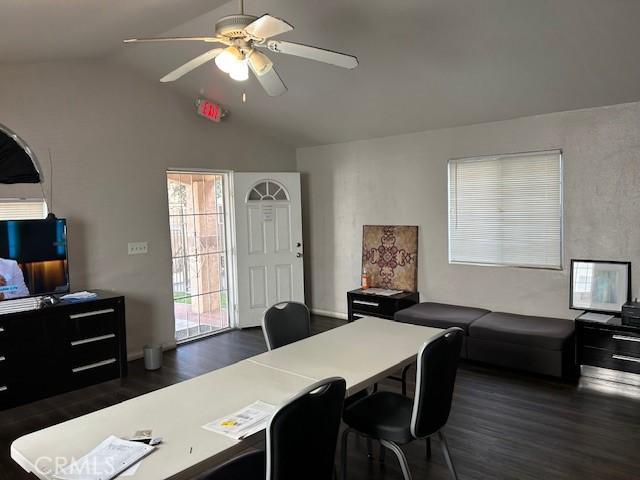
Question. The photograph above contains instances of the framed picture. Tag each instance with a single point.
(390, 256)
(600, 286)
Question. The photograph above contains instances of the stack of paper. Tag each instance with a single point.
(596, 317)
(245, 422)
(106, 461)
(79, 296)
(385, 292)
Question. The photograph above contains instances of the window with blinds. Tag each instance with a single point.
(506, 210)
(22, 208)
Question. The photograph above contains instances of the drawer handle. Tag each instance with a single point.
(3, 388)
(92, 339)
(625, 338)
(363, 302)
(626, 359)
(91, 314)
(93, 365)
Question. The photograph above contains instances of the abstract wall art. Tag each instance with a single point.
(390, 256)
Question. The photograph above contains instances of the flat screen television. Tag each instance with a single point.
(33, 258)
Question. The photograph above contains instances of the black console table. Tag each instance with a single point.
(362, 304)
(61, 347)
(609, 350)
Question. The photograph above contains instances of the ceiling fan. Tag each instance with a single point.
(243, 37)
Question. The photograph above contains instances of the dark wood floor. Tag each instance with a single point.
(503, 425)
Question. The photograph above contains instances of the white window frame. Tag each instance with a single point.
(558, 152)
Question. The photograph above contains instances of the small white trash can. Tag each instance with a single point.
(152, 357)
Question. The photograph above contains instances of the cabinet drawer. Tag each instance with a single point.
(5, 395)
(92, 323)
(614, 361)
(4, 369)
(616, 342)
(92, 373)
(93, 350)
(4, 338)
(371, 305)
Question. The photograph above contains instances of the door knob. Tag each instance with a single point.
(298, 255)
(298, 244)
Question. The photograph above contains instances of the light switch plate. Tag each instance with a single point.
(138, 248)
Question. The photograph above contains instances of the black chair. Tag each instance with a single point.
(394, 419)
(288, 322)
(301, 439)
(285, 323)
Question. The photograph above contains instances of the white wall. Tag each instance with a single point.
(113, 135)
(403, 180)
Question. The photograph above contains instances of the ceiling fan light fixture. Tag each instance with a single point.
(239, 71)
(260, 63)
(229, 57)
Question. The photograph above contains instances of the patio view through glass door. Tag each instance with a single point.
(198, 228)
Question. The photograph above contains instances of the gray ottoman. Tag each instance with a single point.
(536, 344)
(441, 315)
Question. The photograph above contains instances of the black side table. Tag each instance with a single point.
(362, 304)
(609, 350)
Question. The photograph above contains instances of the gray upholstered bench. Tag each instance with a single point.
(441, 315)
(535, 344)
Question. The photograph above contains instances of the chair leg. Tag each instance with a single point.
(447, 455)
(401, 458)
(343, 459)
(405, 370)
(428, 445)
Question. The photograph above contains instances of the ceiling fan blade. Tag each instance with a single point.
(270, 81)
(313, 53)
(267, 26)
(173, 39)
(191, 65)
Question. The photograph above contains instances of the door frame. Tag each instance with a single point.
(230, 233)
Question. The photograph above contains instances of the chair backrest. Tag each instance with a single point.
(285, 323)
(435, 379)
(302, 434)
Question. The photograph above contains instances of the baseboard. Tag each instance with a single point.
(138, 355)
(327, 313)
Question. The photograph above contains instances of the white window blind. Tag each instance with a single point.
(22, 208)
(506, 210)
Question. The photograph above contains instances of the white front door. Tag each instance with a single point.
(268, 219)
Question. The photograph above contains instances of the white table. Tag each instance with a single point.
(362, 352)
(176, 413)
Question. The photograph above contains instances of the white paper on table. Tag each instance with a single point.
(243, 423)
(131, 471)
(105, 462)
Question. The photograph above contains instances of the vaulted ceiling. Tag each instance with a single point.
(424, 64)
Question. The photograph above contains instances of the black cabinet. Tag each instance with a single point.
(362, 304)
(58, 348)
(610, 346)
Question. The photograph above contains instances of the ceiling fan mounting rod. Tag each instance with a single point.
(241, 7)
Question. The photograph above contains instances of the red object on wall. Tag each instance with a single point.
(210, 110)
